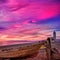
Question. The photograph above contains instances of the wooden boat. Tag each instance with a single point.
(19, 50)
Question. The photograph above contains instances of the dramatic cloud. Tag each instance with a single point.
(29, 19)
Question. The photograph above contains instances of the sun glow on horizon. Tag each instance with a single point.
(29, 19)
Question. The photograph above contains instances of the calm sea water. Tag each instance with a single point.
(11, 42)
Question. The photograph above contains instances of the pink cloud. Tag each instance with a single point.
(28, 12)
(28, 9)
(38, 11)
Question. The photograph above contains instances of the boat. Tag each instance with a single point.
(19, 50)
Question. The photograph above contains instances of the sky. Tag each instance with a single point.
(29, 19)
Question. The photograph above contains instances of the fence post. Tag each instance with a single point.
(48, 49)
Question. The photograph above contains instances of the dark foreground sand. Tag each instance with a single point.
(38, 56)
(41, 55)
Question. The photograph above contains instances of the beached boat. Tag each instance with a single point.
(19, 50)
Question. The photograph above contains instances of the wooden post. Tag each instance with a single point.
(48, 49)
